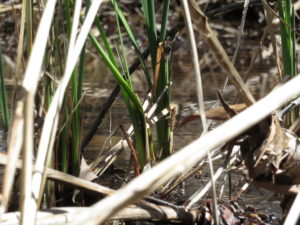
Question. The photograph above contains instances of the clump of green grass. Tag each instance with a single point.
(286, 12)
(158, 82)
(161, 73)
(287, 32)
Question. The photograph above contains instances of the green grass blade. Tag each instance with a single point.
(164, 21)
(138, 121)
(29, 25)
(64, 146)
(293, 39)
(286, 12)
(115, 72)
(145, 10)
(105, 41)
(3, 95)
(68, 16)
(123, 59)
(288, 38)
(149, 13)
(133, 41)
(163, 125)
(132, 101)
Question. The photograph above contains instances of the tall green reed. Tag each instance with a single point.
(161, 79)
(66, 155)
(161, 69)
(132, 101)
(286, 12)
(287, 32)
(3, 96)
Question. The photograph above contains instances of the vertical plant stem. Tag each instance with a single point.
(30, 85)
(77, 79)
(132, 101)
(27, 217)
(200, 98)
(161, 80)
(149, 14)
(164, 21)
(286, 12)
(133, 41)
(3, 95)
(29, 24)
(21, 39)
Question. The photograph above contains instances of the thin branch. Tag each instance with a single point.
(197, 72)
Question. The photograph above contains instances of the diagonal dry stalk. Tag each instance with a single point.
(187, 157)
(212, 41)
(14, 147)
(61, 177)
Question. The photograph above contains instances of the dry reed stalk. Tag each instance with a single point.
(150, 212)
(31, 79)
(14, 147)
(197, 72)
(20, 42)
(61, 177)
(212, 41)
(16, 131)
(254, 56)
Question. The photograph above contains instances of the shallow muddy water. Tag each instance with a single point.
(263, 78)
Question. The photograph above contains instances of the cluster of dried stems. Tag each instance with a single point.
(117, 203)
